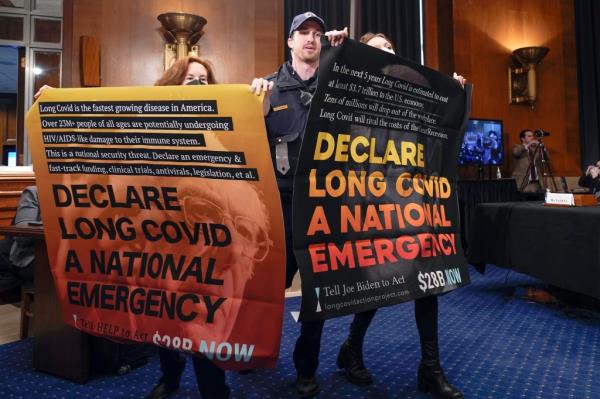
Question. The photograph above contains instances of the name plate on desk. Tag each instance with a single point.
(569, 199)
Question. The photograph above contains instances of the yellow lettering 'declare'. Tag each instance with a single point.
(360, 149)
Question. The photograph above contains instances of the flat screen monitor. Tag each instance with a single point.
(482, 143)
(11, 158)
(9, 154)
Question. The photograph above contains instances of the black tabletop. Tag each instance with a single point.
(559, 245)
(473, 192)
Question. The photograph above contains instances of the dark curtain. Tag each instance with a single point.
(587, 28)
(335, 13)
(397, 19)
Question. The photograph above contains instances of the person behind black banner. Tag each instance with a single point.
(528, 166)
(209, 377)
(291, 90)
(591, 179)
(431, 377)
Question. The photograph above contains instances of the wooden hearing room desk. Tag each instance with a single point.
(58, 349)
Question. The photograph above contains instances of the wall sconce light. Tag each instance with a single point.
(181, 31)
(521, 76)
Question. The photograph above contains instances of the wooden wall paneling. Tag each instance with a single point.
(146, 34)
(8, 206)
(228, 39)
(269, 51)
(445, 29)
(485, 34)
(67, 43)
(241, 41)
(244, 42)
(90, 61)
(248, 30)
(552, 103)
(119, 21)
(21, 106)
(86, 21)
(146, 51)
(244, 23)
(430, 33)
(573, 143)
(11, 185)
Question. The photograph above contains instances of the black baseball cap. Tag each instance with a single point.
(302, 18)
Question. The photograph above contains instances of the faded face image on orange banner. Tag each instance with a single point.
(240, 209)
(159, 255)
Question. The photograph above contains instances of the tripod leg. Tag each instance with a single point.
(546, 168)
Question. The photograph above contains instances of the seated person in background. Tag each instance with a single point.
(524, 156)
(591, 179)
(17, 253)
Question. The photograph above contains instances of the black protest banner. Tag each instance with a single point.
(376, 218)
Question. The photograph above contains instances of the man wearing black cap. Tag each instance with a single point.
(292, 88)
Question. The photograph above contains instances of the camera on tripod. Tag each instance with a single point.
(541, 133)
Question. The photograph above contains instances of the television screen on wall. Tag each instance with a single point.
(482, 143)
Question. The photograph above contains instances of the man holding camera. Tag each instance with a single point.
(527, 169)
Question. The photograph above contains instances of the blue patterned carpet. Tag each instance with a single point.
(494, 345)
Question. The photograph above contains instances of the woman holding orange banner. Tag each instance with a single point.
(180, 225)
(209, 377)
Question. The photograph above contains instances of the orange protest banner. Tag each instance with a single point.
(162, 217)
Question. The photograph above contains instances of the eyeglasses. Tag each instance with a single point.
(255, 239)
